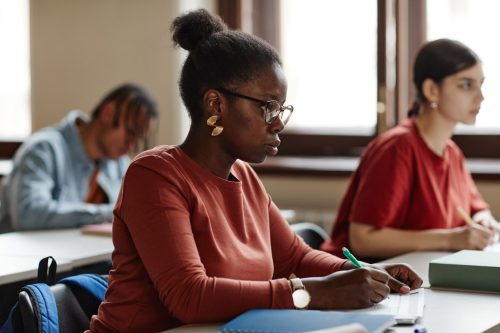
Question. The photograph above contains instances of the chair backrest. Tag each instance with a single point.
(311, 233)
(75, 305)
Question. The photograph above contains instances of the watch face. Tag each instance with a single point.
(301, 298)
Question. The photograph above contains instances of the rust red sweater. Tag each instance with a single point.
(192, 247)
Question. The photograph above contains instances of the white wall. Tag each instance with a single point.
(83, 48)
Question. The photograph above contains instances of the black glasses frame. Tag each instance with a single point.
(264, 105)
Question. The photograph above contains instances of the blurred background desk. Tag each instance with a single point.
(74, 252)
(14, 268)
(66, 244)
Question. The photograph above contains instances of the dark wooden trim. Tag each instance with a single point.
(266, 22)
(298, 144)
(295, 144)
(479, 145)
(230, 12)
(411, 35)
(342, 167)
(8, 149)
(383, 118)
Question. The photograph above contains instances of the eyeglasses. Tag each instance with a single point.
(272, 108)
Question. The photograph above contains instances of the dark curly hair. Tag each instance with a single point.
(218, 57)
(436, 60)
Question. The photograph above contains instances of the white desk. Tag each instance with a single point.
(64, 245)
(5, 167)
(20, 252)
(15, 268)
(419, 261)
(452, 311)
(445, 311)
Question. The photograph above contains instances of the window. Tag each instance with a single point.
(473, 22)
(336, 113)
(329, 51)
(15, 106)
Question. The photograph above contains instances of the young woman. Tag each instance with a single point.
(196, 236)
(412, 181)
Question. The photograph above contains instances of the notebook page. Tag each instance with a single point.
(493, 248)
(406, 308)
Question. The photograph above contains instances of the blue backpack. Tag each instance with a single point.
(63, 307)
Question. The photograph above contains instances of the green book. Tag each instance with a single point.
(467, 269)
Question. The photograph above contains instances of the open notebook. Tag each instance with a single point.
(406, 309)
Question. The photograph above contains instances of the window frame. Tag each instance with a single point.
(408, 20)
(8, 148)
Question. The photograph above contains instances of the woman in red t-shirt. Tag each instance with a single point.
(412, 181)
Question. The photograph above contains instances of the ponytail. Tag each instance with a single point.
(414, 109)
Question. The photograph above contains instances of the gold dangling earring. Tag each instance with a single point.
(211, 122)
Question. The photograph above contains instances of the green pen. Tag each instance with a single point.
(350, 257)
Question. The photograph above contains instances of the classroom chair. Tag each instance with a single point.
(75, 306)
(311, 233)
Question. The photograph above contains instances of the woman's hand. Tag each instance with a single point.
(360, 287)
(475, 237)
(350, 289)
(402, 277)
(485, 219)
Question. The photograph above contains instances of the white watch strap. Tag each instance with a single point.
(297, 284)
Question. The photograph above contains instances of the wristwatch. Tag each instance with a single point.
(301, 297)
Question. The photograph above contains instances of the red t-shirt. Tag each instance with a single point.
(192, 247)
(400, 183)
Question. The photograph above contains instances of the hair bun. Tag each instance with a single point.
(194, 27)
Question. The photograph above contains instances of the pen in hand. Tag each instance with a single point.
(495, 229)
(357, 264)
(465, 216)
(350, 257)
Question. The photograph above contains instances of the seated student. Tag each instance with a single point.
(69, 175)
(412, 180)
(197, 238)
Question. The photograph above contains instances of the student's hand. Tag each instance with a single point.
(488, 221)
(349, 289)
(403, 277)
(475, 237)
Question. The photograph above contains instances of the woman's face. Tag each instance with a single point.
(460, 95)
(246, 134)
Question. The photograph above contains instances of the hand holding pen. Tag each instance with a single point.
(483, 218)
(473, 236)
(402, 278)
(361, 287)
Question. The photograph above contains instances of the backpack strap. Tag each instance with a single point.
(14, 322)
(94, 284)
(44, 307)
(46, 271)
(42, 303)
